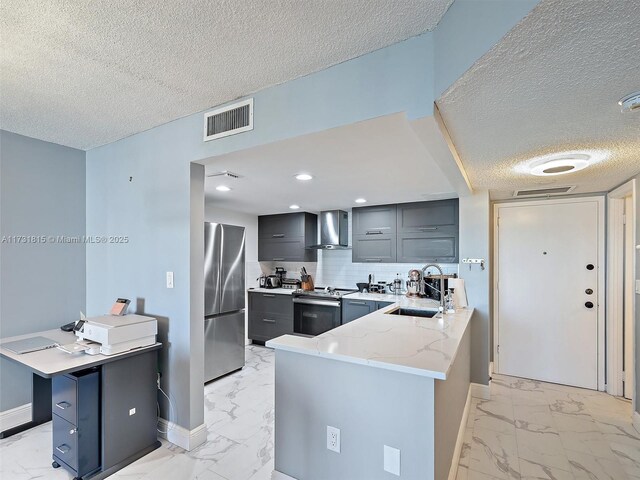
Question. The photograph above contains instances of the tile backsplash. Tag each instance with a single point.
(334, 268)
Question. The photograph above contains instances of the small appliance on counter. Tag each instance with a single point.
(291, 284)
(414, 283)
(395, 287)
(432, 285)
(262, 281)
(273, 281)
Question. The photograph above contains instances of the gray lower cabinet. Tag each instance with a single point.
(285, 237)
(352, 309)
(76, 421)
(270, 315)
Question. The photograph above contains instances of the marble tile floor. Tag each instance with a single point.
(535, 430)
(528, 430)
(239, 419)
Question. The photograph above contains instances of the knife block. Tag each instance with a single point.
(308, 285)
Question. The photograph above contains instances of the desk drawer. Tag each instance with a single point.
(64, 392)
(65, 442)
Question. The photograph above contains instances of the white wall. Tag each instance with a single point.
(212, 213)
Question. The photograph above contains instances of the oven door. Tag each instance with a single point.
(313, 317)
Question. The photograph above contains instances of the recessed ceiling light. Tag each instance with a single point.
(360, 200)
(222, 188)
(303, 177)
(294, 207)
(630, 103)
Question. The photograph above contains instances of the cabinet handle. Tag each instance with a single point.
(63, 405)
(374, 232)
(278, 259)
(64, 448)
(269, 295)
(277, 235)
(267, 320)
(427, 229)
(354, 302)
(372, 259)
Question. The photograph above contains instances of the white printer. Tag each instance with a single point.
(117, 334)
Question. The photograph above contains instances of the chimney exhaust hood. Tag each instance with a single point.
(334, 231)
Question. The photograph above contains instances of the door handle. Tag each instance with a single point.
(588, 304)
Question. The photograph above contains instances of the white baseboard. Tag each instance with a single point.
(636, 421)
(15, 416)
(480, 391)
(276, 475)
(453, 470)
(187, 439)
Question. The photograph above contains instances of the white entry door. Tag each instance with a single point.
(547, 291)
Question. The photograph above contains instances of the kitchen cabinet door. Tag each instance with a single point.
(377, 220)
(285, 237)
(352, 309)
(427, 247)
(270, 315)
(380, 305)
(428, 217)
(374, 249)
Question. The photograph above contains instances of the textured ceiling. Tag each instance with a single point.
(84, 74)
(382, 160)
(551, 85)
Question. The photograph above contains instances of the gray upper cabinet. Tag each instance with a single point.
(284, 237)
(407, 233)
(374, 234)
(378, 220)
(428, 232)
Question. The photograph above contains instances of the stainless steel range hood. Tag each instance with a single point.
(334, 231)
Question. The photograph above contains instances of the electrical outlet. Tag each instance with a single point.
(169, 279)
(333, 439)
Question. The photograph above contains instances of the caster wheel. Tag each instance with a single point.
(55, 465)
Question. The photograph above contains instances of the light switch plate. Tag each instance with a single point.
(392, 460)
(169, 279)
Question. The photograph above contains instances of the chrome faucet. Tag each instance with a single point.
(424, 282)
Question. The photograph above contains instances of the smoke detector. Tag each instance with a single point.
(630, 103)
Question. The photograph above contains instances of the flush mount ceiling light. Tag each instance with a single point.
(360, 200)
(630, 103)
(294, 207)
(303, 176)
(561, 163)
(222, 188)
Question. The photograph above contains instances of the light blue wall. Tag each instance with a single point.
(42, 192)
(468, 30)
(153, 209)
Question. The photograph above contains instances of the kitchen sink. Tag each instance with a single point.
(413, 312)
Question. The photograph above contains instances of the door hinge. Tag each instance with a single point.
(498, 221)
(624, 219)
(498, 348)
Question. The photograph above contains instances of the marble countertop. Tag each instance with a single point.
(415, 345)
(278, 291)
(376, 297)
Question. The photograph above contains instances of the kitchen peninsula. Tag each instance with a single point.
(395, 385)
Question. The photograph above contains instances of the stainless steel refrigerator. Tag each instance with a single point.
(224, 293)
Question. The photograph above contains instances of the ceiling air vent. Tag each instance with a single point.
(225, 173)
(228, 120)
(538, 192)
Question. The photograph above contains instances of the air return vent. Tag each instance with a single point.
(228, 120)
(540, 192)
